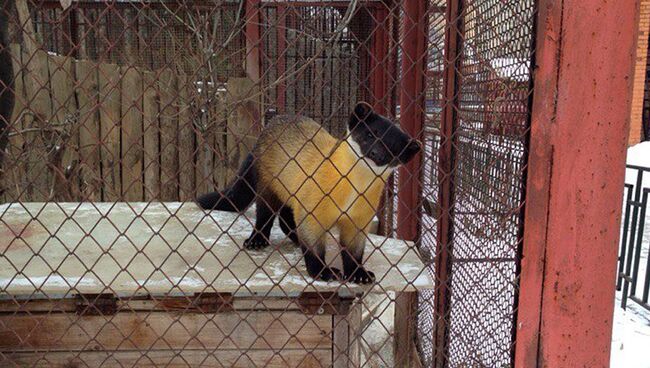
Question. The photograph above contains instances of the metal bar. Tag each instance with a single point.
(639, 243)
(379, 59)
(623, 246)
(414, 55)
(453, 47)
(281, 90)
(570, 262)
(253, 40)
(646, 285)
(631, 258)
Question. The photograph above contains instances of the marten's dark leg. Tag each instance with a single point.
(264, 217)
(312, 244)
(353, 244)
(288, 223)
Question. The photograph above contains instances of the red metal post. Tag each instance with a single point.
(579, 127)
(253, 40)
(453, 40)
(380, 62)
(412, 97)
(281, 89)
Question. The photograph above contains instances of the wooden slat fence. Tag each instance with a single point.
(84, 130)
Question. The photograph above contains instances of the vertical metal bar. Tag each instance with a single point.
(379, 60)
(453, 47)
(414, 56)
(626, 227)
(644, 204)
(281, 63)
(631, 258)
(570, 262)
(253, 40)
(639, 241)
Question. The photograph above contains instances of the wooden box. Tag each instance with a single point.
(167, 284)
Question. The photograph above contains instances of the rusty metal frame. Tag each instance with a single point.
(412, 99)
(568, 252)
(453, 45)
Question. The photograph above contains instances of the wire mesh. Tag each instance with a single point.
(127, 111)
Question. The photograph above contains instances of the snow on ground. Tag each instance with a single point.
(631, 334)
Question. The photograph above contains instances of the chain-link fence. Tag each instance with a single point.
(399, 219)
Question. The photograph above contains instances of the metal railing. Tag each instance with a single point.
(633, 261)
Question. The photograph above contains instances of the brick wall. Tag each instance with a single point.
(639, 73)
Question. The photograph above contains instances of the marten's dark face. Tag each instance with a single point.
(378, 139)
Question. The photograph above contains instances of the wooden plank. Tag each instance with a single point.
(87, 91)
(341, 342)
(405, 328)
(253, 330)
(132, 134)
(13, 166)
(64, 104)
(109, 122)
(285, 358)
(244, 120)
(151, 138)
(186, 147)
(37, 87)
(146, 303)
(167, 92)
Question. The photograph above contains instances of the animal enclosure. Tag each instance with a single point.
(126, 111)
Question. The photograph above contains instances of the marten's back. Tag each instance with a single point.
(294, 159)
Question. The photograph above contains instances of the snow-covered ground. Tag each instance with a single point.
(631, 335)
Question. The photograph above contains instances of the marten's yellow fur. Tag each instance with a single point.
(322, 179)
(316, 183)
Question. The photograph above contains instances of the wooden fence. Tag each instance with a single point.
(84, 130)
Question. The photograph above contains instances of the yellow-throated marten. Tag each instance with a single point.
(315, 182)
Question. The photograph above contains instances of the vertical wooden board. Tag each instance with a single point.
(405, 328)
(65, 110)
(151, 130)
(234, 358)
(243, 120)
(132, 135)
(168, 94)
(219, 142)
(186, 145)
(355, 331)
(340, 342)
(87, 92)
(13, 167)
(39, 106)
(109, 122)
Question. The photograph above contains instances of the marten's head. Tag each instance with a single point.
(378, 140)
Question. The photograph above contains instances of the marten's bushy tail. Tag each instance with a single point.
(238, 195)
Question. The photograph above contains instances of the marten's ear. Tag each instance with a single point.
(361, 112)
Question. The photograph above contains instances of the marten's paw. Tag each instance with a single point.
(256, 242)
(329, 274)
(361, 276)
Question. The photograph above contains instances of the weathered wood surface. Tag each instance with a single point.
(120, 132)
(160, 330)
(140, 248)
(285, 358)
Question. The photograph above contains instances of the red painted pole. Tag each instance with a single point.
(579, 128)
(253, 40)
(281, 88)
(380, 62)
(412, 94)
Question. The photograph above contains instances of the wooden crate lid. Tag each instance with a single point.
(161, 248)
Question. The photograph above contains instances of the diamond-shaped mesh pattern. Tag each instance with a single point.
(126, 112)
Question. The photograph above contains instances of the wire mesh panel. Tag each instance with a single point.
(480, 171)
(152, 145)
